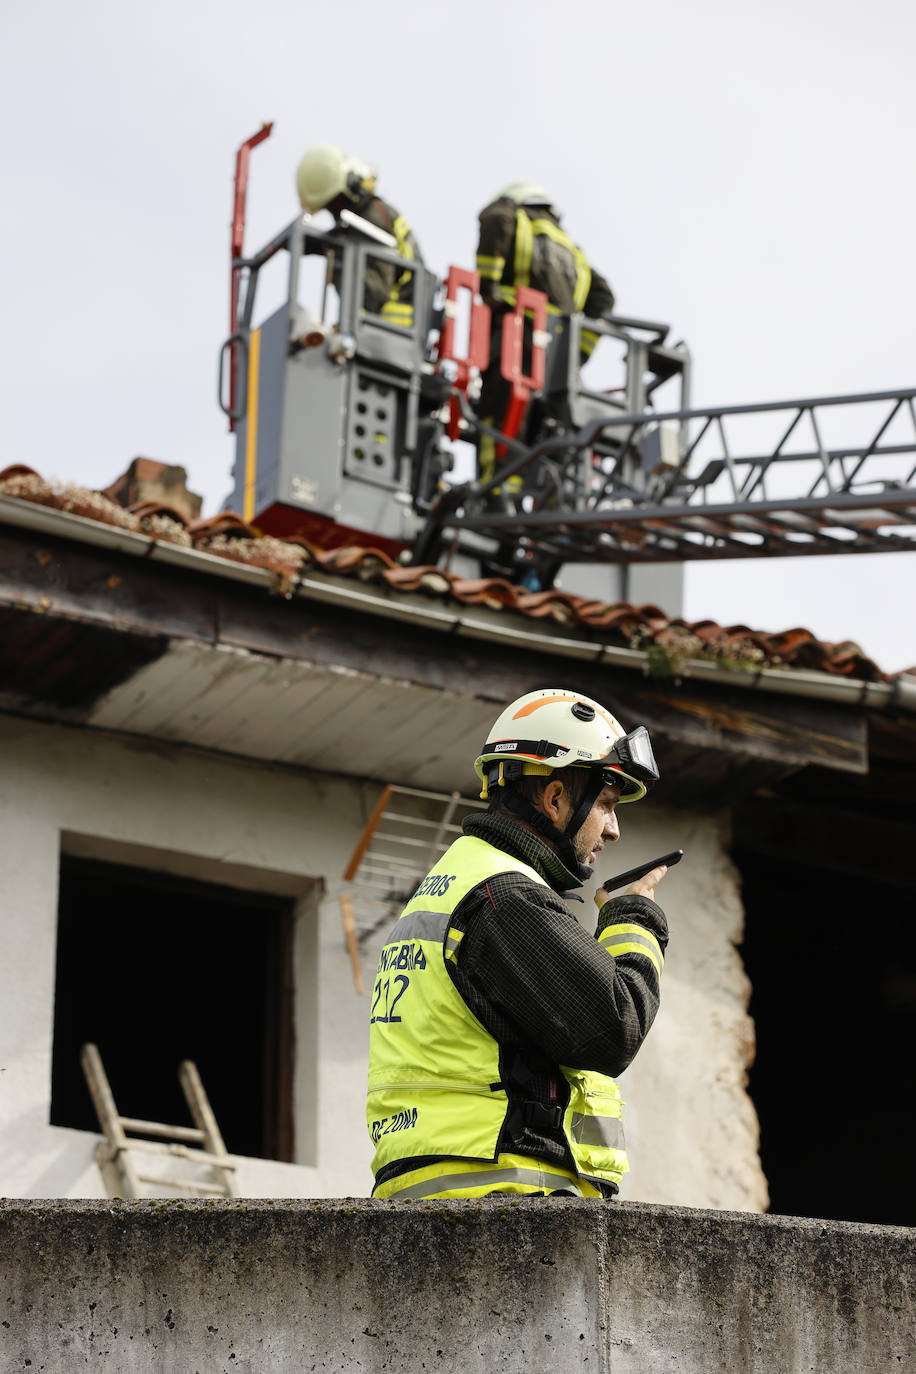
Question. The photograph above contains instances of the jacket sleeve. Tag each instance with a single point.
(494, 246)
(586, 1001)
(600, 299)
(389, 292)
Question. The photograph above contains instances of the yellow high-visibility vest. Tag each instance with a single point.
(434, 1079)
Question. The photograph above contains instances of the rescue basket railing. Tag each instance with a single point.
(649, 363)
(617, 492)
(342, 251)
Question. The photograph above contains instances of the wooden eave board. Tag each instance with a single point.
(201, 660)
(294, 713)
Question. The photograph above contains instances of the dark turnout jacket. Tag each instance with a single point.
(544, 987)
(551, 263)
(388, 291)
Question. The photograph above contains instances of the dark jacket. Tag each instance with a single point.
(542, 986)
(553, 266)
(386, 288)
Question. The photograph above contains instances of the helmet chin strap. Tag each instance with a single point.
(563, 841)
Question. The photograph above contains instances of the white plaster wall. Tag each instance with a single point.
(197, 815)
(691, 1127)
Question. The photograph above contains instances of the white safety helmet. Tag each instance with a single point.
(326, 172)
(557, 728)
(528, 193)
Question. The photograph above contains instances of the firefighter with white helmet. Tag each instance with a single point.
(498, 1023)
(522, 243)
(327, 178)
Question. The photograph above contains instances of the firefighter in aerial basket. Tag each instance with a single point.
(523, 243)
(329, 179)
(497, 1021)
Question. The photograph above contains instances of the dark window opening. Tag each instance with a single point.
(155, 969)
(832, 961)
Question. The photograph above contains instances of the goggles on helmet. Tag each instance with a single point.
(630, 763)
(632, 756)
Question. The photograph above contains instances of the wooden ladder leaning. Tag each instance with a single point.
(201, 1145)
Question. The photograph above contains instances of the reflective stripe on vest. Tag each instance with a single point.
(395, 310)
(508, 294)
(587, 341)
(525, 232)
(597, 1130)
(524, 244)
(509, 1174)
(434, 1078)
(489, 267)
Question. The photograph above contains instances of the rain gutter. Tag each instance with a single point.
(415, 609)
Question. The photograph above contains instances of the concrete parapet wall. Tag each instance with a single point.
(502, 1284)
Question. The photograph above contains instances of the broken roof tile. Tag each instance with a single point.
(276, 555)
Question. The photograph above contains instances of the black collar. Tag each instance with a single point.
(506, 833)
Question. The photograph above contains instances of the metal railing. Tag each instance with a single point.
(712, 499)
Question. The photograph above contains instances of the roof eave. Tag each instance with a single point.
(478, 624)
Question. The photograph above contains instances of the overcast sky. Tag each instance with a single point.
(745, 172)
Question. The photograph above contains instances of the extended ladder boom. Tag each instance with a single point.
(649, 487)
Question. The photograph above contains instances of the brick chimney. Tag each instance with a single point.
(149, 480)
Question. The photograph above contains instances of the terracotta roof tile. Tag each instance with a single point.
(26, 483)
(227, 522)
(549, 605)
(619, 615)
(494, 592)
(646, 627)
(432, 581)
(369, 565)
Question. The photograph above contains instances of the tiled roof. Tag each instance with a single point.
(668, 641)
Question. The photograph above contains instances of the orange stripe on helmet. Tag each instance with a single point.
(570, 696)
(544, 701)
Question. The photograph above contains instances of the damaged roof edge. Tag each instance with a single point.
(899, 694)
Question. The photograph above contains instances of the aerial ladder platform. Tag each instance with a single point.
(346, 426)
(679, 488)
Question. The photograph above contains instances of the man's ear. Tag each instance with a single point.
(551, 798)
